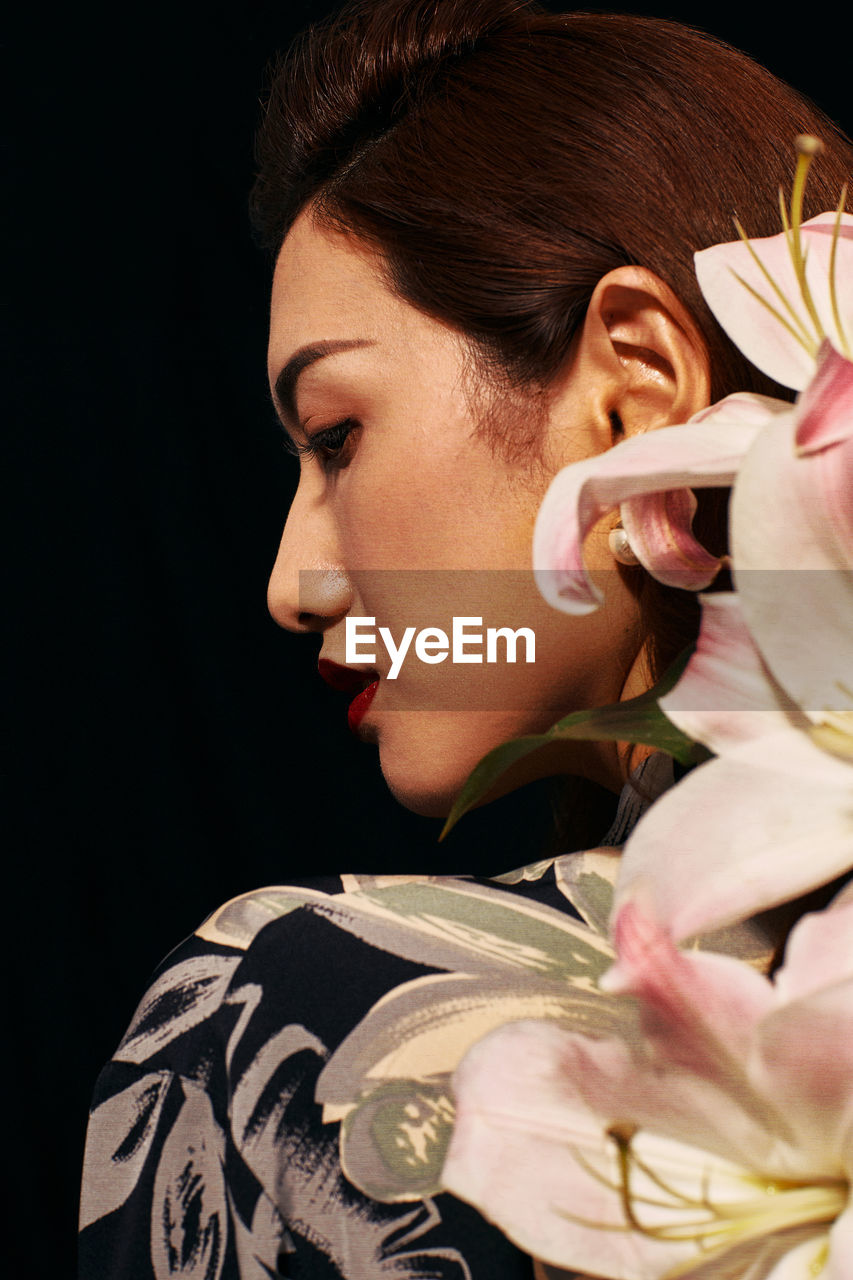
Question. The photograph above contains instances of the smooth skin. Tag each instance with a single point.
(408, 512)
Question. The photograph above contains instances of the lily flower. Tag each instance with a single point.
(718, 1144)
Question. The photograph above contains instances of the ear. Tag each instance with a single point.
(640, 359)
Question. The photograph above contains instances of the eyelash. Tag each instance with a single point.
(328, 444)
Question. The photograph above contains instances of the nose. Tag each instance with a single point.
(309, 589)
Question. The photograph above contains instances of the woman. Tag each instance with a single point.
(483, 218)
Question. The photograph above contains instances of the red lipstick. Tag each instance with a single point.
(359, 705)
(350, 680)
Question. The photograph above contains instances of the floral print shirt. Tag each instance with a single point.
(281, 1102)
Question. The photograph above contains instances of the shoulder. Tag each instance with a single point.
(274, 1071)
(321, 953)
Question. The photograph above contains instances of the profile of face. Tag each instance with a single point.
(409, 513)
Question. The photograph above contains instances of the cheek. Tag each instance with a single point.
(398, 516)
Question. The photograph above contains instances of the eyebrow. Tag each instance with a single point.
(285, 383)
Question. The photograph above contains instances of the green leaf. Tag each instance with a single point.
(637, 720)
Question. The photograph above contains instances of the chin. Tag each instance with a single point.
(423, 779)
(417, 794)
(426, 757)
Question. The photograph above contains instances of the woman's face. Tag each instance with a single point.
(407, 514)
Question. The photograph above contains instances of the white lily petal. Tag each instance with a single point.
(768, 821)
(805, 1261)
(804, 1061)
(820, 945)
(537, 1162)
(788, 1060)
(725, 695)
(837, 1266)
(792, 533)
(750, 325)
(804, 1048)
(706, 1004)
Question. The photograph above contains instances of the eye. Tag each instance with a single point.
(332, 445)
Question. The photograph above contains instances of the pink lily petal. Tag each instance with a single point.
(658, 528)
(764, 823)
(707, 451)
(804, 1061)
(804, 1055)
(521, 1141)
(530, 1149)
(752, 328)
(705, 1005)
(701, 1017)
(788, 1061)
(725, 695)
(792, 545)
(820, 947)
(825, 409)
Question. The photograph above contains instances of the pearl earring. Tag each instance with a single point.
(620, 547)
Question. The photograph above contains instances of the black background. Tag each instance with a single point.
(170, 746)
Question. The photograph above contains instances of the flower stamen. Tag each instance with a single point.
(833, 291)
(780, 1206)
(807, 148)
(834, 732)
(807, 330)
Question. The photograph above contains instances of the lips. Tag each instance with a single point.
(358, 707)
(349, 680)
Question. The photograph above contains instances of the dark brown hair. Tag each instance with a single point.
(502, 159)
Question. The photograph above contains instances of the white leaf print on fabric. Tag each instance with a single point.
(259, 1245)
(120, 1134)
(422, 1028)
(389, 1079)
(249, 996)
(446, 924)
(470, 928)
(189, 1214)
(364, 1241)
(300, 1173)
(588, 880)
(254, 1107)
(181, 997)
(237, 922)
